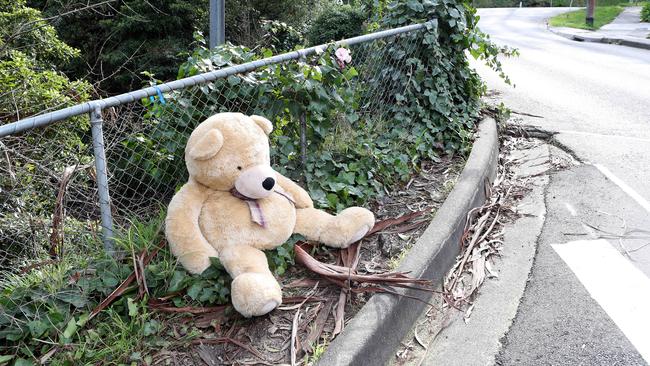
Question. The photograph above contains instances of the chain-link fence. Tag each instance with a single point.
(70, 179)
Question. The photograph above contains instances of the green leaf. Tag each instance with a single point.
(72, 297)
(415, 5)
(5, 359)
(83, 319)
(12, 334)
(195, 289)
(133, 307)
(351, 72)
(70, 329)
(216, 263)
(233, 80)
(178, 282)
(23, 362)
(37, 328)
(454, 13)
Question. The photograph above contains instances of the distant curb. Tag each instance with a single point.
(587, 36)
(373, 335)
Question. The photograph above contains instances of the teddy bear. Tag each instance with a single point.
(234, 206)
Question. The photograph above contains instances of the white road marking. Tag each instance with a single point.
(620, 288)
(627, 189)
(571, 210)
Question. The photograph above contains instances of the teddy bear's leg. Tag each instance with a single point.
(254, 290)
(337, 231)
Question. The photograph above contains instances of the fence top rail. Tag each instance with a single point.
(99, 104)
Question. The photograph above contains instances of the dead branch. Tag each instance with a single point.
(187, 309)
(337, 274)
(57, 235)
(383, 224)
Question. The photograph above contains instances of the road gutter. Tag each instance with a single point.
(374, 334)
(590, 36)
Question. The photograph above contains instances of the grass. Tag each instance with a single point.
(43, 313)
(576, 19)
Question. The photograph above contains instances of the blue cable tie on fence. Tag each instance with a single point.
(161, 97)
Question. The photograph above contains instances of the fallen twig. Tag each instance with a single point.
(294, 336)
(319, 325)
(186, 309)
(124, 285)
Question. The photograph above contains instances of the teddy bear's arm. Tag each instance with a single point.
(300, 196)
(183, 232)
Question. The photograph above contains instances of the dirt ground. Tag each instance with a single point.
(307, 317)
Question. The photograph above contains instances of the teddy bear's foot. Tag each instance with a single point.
(338, 231)
(255, 294)
(349, 226)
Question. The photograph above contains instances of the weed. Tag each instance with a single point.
(319, 349)
(395, 261)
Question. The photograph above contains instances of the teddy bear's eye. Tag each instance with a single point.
(238, 168)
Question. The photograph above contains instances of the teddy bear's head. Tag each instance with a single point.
(231, 150)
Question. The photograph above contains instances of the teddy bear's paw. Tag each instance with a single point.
(255, 294)
(349, 226)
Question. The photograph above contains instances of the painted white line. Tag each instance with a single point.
(570, 208)
(620, 288)
(627, 189)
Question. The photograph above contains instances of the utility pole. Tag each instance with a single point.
(591, 5)
(217, 22)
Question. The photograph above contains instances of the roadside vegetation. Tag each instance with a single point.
(576, 19)
(61, 300)
(548, 3)
(645, 12)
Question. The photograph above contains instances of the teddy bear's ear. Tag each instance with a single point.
(264, 124)
(207, 146)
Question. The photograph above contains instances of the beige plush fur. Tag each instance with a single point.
(205, 220)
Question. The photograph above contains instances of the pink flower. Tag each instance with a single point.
(343, 57)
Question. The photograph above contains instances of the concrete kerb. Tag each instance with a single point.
(585, 36)
(376, 331)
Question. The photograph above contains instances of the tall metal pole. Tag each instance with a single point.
(217, 22)
(591, 5)
(102, 179)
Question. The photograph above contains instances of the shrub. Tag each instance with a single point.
(645, 12)
(336, 23)
(367, 126)
(280, 37)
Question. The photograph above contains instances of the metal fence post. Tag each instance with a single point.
(217, 22)
(102, 179)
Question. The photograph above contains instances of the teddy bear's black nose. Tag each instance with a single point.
(268, 183)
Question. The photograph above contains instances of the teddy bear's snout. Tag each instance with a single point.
(268, 183)
(256, 182)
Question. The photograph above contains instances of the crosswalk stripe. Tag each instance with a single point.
(620, 288)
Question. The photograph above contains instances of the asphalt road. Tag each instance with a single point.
(587, 301)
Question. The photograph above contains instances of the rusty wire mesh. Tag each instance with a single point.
(48, 195)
